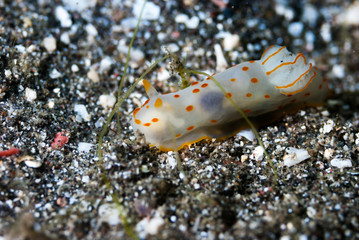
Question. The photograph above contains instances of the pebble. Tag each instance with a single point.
(50, 44)
(282, 10)
(81, 113)
(65, 38)
(51, 103)
(338, 71)
(181, 18)
(7, 73)
(63, 16)
(105, 64)
(221, 61)
(74, 68)
(163, 74)
(79, 5)
(107, 101)
(247, 133)
(85, 147)
(91, 30)
(325, 32)
(172, 162)
(328, 126)
(328, 153)
(137, 57)
(310, 14)
(33, 163)
(295, 29)
(341, 163)
(350, 16)
(173, 47)
(230, 42)
(193, 22)
(109, 213)
(93, 75)
(258, 153)
(295, 156)
(154, 225)
(150, 12)
(55, 74)
(126, 24)
(30, 94)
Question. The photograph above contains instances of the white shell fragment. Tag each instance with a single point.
(63, 16)
(49, 43)
(29, 161)
(350, 16)
(81, 113)
(258, 153)
(221, 61)
(149, 226)
(107, 101)
(30, 94)
(295, 156)
(328, 127)
(341, 163)
(109, 213)
(247, 133)
(150, 12)
(84, 147)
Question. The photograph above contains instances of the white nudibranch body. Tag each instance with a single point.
(264, 90)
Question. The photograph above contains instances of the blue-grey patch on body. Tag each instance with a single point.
(211, 101)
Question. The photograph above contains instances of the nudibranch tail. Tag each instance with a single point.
(278, 83)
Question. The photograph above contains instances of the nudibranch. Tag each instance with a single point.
(266, 89)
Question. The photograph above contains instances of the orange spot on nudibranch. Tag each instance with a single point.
(196, 90)
(146, 102)
(147, 106)
(233, 79)
(245, 68)
(178, 135)
(158, 102)
(249, 95)
(228, 95)
(190, 128)
(176, 96)
(213, 121)
(251, 61)
(204, 85)
(154, 119)
(194, 83)
(247, 111)
(266, 96)
(189, 108)
(307, 94)
(135, 112)
(137, 121)
(147, 124)
(254, 80)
